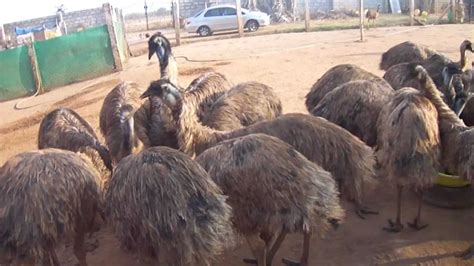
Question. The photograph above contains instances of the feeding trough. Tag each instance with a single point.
(450, 192)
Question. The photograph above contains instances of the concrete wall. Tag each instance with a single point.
(74, 20)
(328, 5)
(188, 8)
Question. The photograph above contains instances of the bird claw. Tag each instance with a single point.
(250, 261)
(365, 210)
(394, 227)
(289, 262)
(416, 225)
(466, 254)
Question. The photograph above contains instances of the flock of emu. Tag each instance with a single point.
(184, 170)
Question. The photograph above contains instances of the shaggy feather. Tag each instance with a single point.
(116, 119)
(355, 106)
(243, 105)
(65, 129)
(154, 124)
(46, 197)
(165, 205)
(457, 139)
(406, 52)
(335, 77)
(408, 139)
(293, 193)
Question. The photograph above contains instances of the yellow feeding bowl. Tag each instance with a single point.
(451, 181)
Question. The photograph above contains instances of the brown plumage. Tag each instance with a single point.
(154, 121)
(355, 106)
(350, 161)
(450, 84)
(47, 197)
(243, 105)
(405, 52)
(165, 206)
(372, 15)
(408, 146)
(154, 124)
(64, 129)
(160, 45)
(273, 190)
(457, 139)
(117, 121)
(335, 77)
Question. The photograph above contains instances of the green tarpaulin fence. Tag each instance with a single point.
(75, 57)
(16, 77)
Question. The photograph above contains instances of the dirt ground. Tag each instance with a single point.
(290, 63)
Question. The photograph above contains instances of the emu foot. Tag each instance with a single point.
(393, 227)
(250, 261)
(365, 210)
(289, 262)
(417, 225)
(466, 254)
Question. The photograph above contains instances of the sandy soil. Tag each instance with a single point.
(290, 63)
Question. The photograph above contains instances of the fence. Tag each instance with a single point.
(63, 60)
(16, 76)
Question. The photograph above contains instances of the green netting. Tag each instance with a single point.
(75, 57)
(16, 77)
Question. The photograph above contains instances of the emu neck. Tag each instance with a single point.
(193, 136)
(448, 120)
(128, 137)
(170, 70)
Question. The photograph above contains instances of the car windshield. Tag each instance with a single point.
(199, 13)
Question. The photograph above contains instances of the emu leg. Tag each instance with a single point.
(305, 256)
(417, 224)
(397, 226)
(276, 245)
(466, 254)
(258, 250)
(78, 247)
(54, 257)
(268, 238)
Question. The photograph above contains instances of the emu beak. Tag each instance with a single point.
(150, 53)
(146, 94)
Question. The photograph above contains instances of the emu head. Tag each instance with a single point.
(466, 45)
(165, 90)
(455, 95)
(160, 45)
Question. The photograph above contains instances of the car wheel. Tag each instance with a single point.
(252, 25)
(204, 31)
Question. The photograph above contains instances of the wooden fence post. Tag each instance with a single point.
(112, 36)
(412, 12)
(361, 22)
(239, 18)
(306, 15)
(35, 68)
(177, 22)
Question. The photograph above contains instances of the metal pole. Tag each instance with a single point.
(306, 15)
(412, 12)
(177, 23)
(239, 18)
(146, 16)
(361, 23)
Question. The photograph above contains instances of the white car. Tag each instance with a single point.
(224, 17)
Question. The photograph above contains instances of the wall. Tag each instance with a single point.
(188, 8)
(84, 18)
